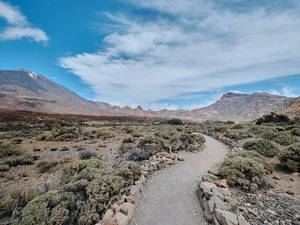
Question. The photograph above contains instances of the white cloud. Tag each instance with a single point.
(201, 47)
(289, 91)
(274, 92)
(18, 26)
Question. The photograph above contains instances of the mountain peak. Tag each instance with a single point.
(23, 70)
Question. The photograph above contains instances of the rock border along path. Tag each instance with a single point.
(170, 198)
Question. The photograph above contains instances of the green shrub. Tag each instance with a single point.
(86, 155)
(47, 166)
(296, 131)
(273, 117)
(128, 130)
(63, 149)
(103, 134)
(16, 141)
(237, 126)
(128, 140)
(130, 171)
(282, 138)
(17, 197)
(290, 157)
(89, 188)
(175, 121)
(266, 148)
(245, 169)
(9, 150)
(4, 167)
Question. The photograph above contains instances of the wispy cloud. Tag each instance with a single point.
(18, 27)
(188, 48)
(287, 91)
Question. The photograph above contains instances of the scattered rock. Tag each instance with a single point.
(109, 213)
(180, 158)
(226, 218)
(206, 186)
(223, 183)
(121, 218)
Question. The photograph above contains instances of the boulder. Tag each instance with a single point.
(206, 186)
(242, 220)
(209, 177)
(135, 193)
(127, 208)
(226, 218)
(108, 213)
(223, 183)
(121, 218)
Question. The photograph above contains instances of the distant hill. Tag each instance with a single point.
(292, 110)
(242, 107)
(25, 90)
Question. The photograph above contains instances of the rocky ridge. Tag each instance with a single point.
(25, 90)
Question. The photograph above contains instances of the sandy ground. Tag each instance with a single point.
(170, 196)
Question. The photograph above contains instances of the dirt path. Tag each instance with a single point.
(170, 197)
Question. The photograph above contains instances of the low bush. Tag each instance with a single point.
(245, 170)
(266, 148)
(296, 131)
(128, 140)
(290, 157)
(101, 134)
(9, 150)
(84, 155)
(89, 188)
(47, 166)
(282, 138)
(237, 126)
(18, 197)
(273, 117)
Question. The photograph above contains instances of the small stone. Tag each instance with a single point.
(277, 177)
(145, 168)
(252, 212)
(209, 177)
(206, 185)
(242, 220)
(214, 172)
(271, 212)
(290, 192)
(180, 158)
(271, 193)
(121, 218)
(108, 213)
(127, 208)
(223, 183)
(143, 179)
(226, 218)
(171, 162)
(139, 184)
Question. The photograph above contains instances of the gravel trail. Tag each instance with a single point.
(170, 196)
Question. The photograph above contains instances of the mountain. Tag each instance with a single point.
(242, 107)
(292, 110)
(25, 90)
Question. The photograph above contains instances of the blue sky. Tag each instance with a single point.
(156, 53)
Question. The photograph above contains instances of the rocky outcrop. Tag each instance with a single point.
(218, 203)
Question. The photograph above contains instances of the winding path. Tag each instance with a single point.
(170, 197)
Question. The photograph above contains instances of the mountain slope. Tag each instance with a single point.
(292, 110)
(25, 90)
(242, 107)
